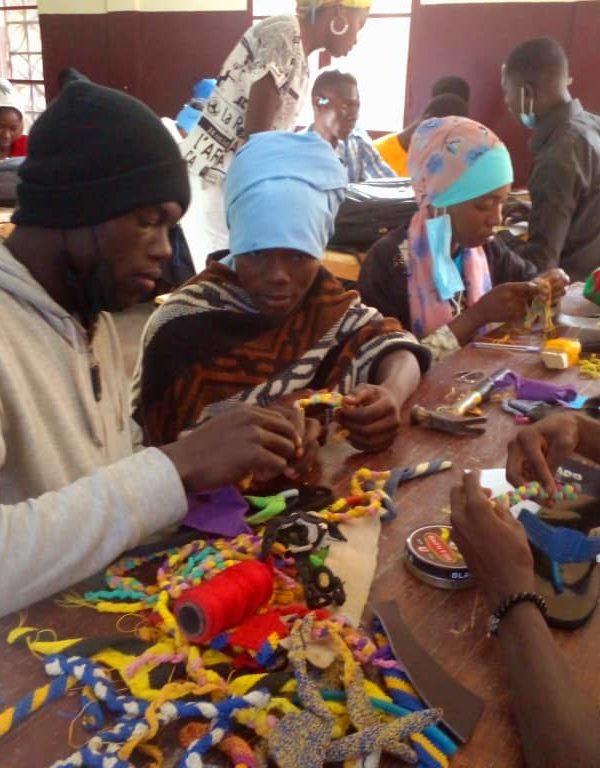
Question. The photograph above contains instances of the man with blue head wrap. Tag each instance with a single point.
(277, 323)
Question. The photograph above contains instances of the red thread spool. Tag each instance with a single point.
(228, 599)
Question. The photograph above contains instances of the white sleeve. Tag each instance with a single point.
(49, 543)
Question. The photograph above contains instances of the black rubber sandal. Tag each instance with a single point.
(573, 600)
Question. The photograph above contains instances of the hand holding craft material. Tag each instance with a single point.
(541, 310)
(332, 400)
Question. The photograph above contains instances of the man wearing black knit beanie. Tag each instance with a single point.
(100, 189)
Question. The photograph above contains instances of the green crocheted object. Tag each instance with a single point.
(591, 289)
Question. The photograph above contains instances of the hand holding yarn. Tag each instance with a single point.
(308, 430)
(553, 282)
(505, 303)
(333, 400)
(539, 449)
(493, 543)
(230, 446)
(372, 417)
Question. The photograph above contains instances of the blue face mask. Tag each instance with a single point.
(527, 118)
(446, 276)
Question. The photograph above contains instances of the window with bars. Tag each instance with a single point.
(379, 61)
(21, 53)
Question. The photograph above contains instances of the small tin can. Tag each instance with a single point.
(432, 556)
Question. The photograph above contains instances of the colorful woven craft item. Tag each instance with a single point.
(232, 681)
(137, 721)
(304, 740)
(541, 309)
(536, 492)
(333, 400)
(359, 719)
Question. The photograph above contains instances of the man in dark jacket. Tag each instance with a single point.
(564, 224)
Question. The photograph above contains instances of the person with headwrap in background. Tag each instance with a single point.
(437, 277)
(261, 87)
(271, 321)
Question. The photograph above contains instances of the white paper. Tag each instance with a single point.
(495, 480)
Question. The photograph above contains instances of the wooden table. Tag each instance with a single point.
(344, 266)
(449, 625)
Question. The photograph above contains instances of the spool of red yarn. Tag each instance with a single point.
(228, 599)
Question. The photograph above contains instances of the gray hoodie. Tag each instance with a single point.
(72, 494)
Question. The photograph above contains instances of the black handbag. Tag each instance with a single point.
(370, 210)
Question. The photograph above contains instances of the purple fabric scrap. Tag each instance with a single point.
(532, 389)
(219, 512)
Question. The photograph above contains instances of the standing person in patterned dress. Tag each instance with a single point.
(261, 87)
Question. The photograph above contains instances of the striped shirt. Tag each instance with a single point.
(361, 158)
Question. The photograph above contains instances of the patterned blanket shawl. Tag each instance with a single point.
(208, 347)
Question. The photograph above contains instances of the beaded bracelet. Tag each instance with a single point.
(537, 492)
(510, 602)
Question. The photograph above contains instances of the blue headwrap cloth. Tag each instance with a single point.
(490, 171)
(283, 190)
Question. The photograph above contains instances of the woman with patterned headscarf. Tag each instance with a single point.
(443, 278)
(261, 87)
(271, 321)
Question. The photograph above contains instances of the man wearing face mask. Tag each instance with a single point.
(564, 184)
(336, 104)
(101, 187)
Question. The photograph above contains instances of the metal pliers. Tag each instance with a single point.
(446, 421)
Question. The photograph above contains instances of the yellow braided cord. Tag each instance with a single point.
(18, 632)
(6, 720)
(39, 698)
(401, 685)
(431, 749)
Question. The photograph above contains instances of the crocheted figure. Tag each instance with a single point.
(304, 740)
(541, 309)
